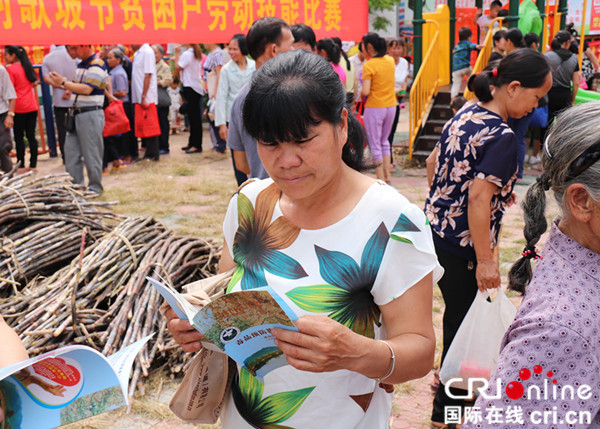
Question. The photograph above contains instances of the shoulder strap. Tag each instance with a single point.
(559, 65)
(80, 81)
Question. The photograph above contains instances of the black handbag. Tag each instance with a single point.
(163, 97)
(183, 109)
(70, 120)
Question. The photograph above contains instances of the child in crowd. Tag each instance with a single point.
(461, 59)
(485, 21)
(175, 94)
(457, 103)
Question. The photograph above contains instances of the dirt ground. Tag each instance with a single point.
(189, 193)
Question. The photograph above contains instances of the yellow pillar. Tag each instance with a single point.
(442, 17)
(582, 33)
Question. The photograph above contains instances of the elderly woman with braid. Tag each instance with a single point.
(553, 345)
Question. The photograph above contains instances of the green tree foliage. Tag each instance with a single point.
(381, 23)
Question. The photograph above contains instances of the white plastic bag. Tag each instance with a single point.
(476, 346)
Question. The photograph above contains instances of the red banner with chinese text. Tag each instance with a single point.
(595, 17)
(36, 22)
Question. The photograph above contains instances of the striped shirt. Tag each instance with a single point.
(92, 72)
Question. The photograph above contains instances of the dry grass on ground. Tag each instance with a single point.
(188, 193)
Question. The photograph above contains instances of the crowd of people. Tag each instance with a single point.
(187, 84)
(353, 258)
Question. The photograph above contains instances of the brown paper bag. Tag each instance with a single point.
(204, 388)
(207, 382)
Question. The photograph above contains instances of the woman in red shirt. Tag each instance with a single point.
(23, 78)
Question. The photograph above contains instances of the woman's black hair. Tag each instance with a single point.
(377, 42)
(515, 36)
(500, 34)
(526, 66)
(530, 39)
(21, 54)
(488, 68)
(241, 41)
(338, 42)
(331, 49)
(571, 29)
(294, 92)
(396, 41)
(560, 37)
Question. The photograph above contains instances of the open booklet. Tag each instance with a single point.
(65, 385)
(238, 324)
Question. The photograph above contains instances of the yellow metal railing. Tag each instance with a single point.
(484, 54)
(551, 24)
(424, 88)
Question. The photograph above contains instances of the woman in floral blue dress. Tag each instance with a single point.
(349, 254)
(475, 171)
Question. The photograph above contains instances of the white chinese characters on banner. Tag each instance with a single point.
(575, 13)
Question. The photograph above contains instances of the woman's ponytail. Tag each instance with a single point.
(352, 153)
(480, 83)
(21, 55)
(526, 66)
(29, 70)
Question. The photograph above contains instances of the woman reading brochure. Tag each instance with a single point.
(350, 256)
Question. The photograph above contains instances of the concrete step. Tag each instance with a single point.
(421, 155)
(441, 111)
(427, 142)
(443, 97)
(434, 126)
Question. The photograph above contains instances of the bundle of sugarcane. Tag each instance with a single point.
(42, 220)
(102, 298)
(39, 248)
(82, 290)
(53, 197)
(178, 260)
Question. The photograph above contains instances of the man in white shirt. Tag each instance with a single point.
(61, 61)
(189, 67)
(484, 21)
(144, 90)
(8, 99)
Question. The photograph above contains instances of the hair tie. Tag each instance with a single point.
(495, 73)
(530, 252)
(544, 182)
